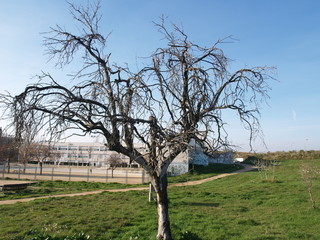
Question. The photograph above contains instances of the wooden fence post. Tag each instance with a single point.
(35, 173)
(126, 176)
(69, 173)
(52, 174)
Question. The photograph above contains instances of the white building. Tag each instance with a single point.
(97, 154)
(86, 154)
(196, 155)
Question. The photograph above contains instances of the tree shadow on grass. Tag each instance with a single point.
(198, 204)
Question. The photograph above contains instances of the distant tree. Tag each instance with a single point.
(89, 151)
(24, 155)
(8, 150)
(40, 152)
(179, 95)
(26, 131)
(114, 161)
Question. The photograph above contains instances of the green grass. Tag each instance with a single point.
(237, 207)
(47, 188)
(201, 172)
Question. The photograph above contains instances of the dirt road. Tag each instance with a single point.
(191, 183)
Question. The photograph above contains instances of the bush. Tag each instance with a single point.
(280, 155)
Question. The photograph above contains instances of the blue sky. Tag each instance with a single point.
(280, 33)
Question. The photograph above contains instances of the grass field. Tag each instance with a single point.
(241, 206)
(45, 188)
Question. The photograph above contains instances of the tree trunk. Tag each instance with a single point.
(8, 165)
(40, 163)
(164, 230)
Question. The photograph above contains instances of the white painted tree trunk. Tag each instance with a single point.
(164, 230)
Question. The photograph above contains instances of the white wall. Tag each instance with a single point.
(180, 165)
(200, 158)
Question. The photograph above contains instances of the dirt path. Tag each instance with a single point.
(191, 183)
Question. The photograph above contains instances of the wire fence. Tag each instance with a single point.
(125, 175)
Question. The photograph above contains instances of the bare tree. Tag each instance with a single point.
(8, 150)
(114, 161)
(179, 96)
(40, 152)
(266, 169)
(26, 131)
(24, 154)
(310, 174)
